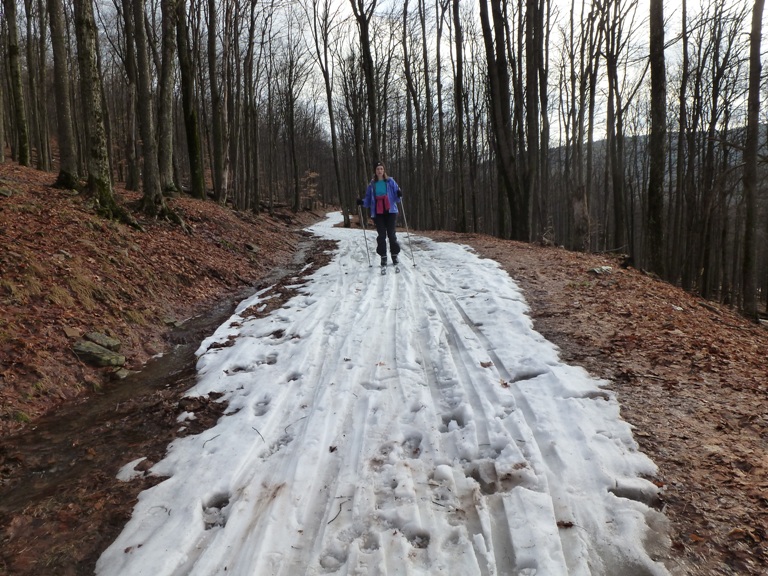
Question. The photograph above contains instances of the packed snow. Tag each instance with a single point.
(409, 423)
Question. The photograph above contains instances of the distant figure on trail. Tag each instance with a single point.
(381, 199)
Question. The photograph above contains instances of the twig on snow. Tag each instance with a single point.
(339, 512)
(209, 439)
(292, 423)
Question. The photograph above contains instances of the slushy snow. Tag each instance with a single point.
(410, 423)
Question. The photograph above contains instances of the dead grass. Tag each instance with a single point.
(60, 296)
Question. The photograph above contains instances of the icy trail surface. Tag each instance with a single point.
(410, 423)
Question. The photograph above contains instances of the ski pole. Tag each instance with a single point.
(362, 221)
(402, 207)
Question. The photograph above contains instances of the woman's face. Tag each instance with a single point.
(379, 172)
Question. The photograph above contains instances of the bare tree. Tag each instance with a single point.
(250, 165)
(500, 102)
(422, 181)
(152, 201)
(68, 157)
(749, 271)
(130, 146)
(322, 25)
(534, 63)
(428, 160)
(354, 91)
(165, 97)
(657, 140)
(617, 20)
(2, 122)
(442, 175)
(97, 157)
(292, 76)
(219, 111)
(708, 82)
(189, 104)
(36, 81)
(675, 252)
(590, 47)
(363, 15)
(458, 103)
(21, 145)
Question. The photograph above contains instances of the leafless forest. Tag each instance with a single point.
(631, 127)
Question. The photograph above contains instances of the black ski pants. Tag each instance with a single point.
(385, 226)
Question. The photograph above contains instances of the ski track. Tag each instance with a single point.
(393, 431)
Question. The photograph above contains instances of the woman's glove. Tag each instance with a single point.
(399, 193)
(359, 202)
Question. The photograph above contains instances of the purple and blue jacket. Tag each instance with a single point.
(370, 196)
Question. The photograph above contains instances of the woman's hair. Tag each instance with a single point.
(386, 177)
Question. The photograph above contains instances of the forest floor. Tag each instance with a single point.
(690, 375)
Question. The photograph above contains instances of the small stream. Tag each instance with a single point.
(83, 441)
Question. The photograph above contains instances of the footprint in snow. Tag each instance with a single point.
(214, 512)
(262, 406)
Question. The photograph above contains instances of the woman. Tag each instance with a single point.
(381, 199)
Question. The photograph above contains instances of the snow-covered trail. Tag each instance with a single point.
(410, 423)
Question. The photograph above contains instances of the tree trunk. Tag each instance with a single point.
(657, 141)
(419, 184)
(18, 105)
(676, 243)
(293, 154)
(31, 64)
(250, 119)
(133, 171)
(321, 32)
(36, 80)
(165, 101)
(218, 110)
(363, 16)
(749, 270)
(458, 103)
(428, 162)
(152, 201)
(616, 160)
(533, 54)
(2, 125)
(441, 183)
(501, 121)
(68, 158)
(97, 160)
(189, 108)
